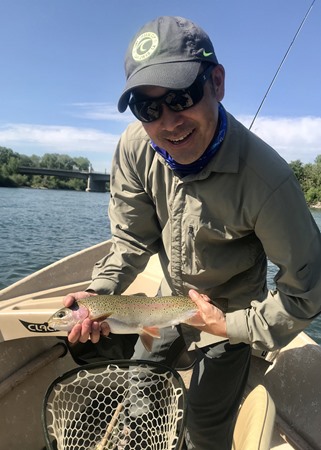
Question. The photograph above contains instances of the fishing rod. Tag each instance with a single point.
(281, 63)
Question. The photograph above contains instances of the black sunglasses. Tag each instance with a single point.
(149, 109)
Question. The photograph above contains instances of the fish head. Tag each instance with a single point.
(66, 318)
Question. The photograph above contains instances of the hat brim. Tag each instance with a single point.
(171, 75)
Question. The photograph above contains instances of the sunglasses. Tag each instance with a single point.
(149, 109)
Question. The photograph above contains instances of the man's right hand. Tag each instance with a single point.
(88, 329)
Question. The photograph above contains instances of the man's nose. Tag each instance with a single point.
(170, 119)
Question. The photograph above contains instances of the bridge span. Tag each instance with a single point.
(96, 181)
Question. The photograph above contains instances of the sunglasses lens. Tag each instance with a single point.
(150, 110)
(185, 98)
(146, 111)
(179, 100)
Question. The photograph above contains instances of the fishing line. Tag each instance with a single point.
(281, 64)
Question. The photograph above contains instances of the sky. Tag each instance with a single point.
(62, 71)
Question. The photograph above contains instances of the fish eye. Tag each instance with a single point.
(61, 314)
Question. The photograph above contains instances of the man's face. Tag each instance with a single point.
(185, 135)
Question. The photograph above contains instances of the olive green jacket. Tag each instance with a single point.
(213, 232)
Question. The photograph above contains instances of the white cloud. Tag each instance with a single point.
(101, 111)
(294, 138)
(57, 138)
(38, 139)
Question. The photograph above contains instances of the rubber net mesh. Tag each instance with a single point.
(115, 408)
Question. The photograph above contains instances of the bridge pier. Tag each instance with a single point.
(95, 185)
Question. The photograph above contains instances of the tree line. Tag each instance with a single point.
(309, 175)
(10, 161)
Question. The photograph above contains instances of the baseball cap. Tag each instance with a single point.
(166, 52)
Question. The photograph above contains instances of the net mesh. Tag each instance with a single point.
(112, 407)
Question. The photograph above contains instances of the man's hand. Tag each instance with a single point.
(88, 329)
(213, 318)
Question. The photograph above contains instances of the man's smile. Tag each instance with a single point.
(181, 139)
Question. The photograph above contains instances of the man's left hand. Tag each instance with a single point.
(213, 318)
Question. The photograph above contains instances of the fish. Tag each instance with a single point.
(128, 314)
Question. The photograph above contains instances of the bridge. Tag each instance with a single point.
(96, 181)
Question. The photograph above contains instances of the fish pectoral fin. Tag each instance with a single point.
(151, 331)
(147, 342)
(100, 318)
(147, 336)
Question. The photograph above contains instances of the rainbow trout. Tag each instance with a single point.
(127, 314)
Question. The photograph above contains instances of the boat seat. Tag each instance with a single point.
(255, 421)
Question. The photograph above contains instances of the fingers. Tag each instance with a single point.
(75, 334)
(202, 301)
(95, 333)
(197, 296)
(104, 329)
(71, 298)
(213, 317)
(88, 330)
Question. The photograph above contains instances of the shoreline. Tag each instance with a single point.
(316, 205)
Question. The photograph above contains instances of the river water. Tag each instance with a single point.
(38, 227)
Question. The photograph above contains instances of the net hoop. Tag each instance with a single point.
(123, 404)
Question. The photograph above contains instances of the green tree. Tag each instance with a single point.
(27, 161)
(318, 161)
(298, 169)
(6, 154)
(50, 161)
(10, 161)
(82, 163)
(77, 184)
(65, 162)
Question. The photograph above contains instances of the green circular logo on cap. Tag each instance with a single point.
(145, 46)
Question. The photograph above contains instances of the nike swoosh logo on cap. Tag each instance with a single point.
(206, 54)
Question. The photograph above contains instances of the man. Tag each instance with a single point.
(190, 183)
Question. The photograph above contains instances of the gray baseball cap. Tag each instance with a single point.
(166, 52)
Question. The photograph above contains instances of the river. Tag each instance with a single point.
(38, 227)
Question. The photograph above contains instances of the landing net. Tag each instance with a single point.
(121, 405)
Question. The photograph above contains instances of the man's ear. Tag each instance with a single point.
(218, 78)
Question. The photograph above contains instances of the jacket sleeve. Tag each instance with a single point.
(134, 226)
(292, 241)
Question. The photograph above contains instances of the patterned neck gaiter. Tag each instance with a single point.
(183, 170)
